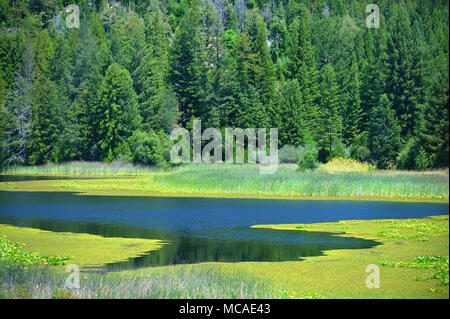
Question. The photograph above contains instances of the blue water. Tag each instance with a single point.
(203, 229)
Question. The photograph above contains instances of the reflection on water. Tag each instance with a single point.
(202, 229)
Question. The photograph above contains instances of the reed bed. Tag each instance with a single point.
(83, 168)
(172, 283)
(246, 180)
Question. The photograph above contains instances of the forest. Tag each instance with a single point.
(114, 88)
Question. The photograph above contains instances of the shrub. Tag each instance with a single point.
(346, 165)
(405, 159)
(361, 153)
(308, 160)
(290, 154)
(147, 148)
(422, 161)
(337, 151)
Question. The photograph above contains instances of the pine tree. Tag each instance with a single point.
(17, 114)
(292, 130)
(330, 117)
(384, 134)
(433, 130)
(303, 66)
(370, 79)
(127, 40)
(352, 113)
(261, 65)
(187, 65)
(117, 113)
(399, 84)
(46, 112)
(251, 112)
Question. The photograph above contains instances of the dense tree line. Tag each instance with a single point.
(115, 87)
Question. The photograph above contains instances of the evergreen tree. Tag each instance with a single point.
(303, 66)
(330, 117)
(384, 134)
(187, 72)
(116, 114)
(399, 84)
(291, 126)
(352, 113)
(16, 116)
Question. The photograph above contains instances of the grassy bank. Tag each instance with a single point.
(410, 257)
(173, 283)
(83, 249)
(245, 181)
(84, 169)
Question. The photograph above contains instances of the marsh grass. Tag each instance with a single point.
(173, 283)
(246, 180)
(84, 168)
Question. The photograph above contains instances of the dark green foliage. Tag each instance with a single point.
(330, 117)
(116, 116)
(384, 134)
(147, 148)
(422, 161)
(292, 130)
(308, 160)
(313, 71)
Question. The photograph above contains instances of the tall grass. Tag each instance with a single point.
(84, 168)
(173, 283)
(246, 180)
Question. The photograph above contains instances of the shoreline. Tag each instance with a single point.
(347, 275)
(43, 186)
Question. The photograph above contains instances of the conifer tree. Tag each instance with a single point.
(187, 69)
(330, 117)
(116, 113)
(384, 134)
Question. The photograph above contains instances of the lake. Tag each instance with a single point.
(203, 229)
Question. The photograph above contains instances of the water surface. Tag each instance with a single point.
(203, 229)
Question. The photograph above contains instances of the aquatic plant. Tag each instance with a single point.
(10, 253)
(439, 265)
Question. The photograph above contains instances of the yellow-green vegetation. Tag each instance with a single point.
(345, 165)
(342, 273)
(11, 253)
(83, 168)
(246, 181)
(83, 249)
(413, 261)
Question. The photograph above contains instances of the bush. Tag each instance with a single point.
(337, 151)
(147, 148)
(422, 161)
(361, 153)
(290, 154)
(405, 159)
(308, 160)
(346, 165)
(359, 150)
